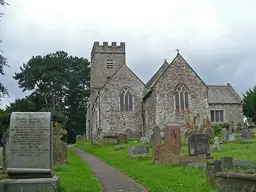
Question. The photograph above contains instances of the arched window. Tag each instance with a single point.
(181, 97)
(126, 99)
(109, 63)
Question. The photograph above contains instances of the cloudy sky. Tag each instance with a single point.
(216, 37)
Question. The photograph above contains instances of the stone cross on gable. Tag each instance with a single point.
(177, 51)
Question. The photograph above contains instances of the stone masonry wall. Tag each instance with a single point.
(231, 112)
(166, 113)
(112, 120)
(100, 54)
(149, 114)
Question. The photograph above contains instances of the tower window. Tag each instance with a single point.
(110, 64)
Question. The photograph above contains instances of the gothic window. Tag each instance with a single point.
(217, 116)
(181, 97)
(109, 63)
(126, 99)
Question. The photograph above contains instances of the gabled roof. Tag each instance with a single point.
(178, 56)
(221, 94)
(157, 74)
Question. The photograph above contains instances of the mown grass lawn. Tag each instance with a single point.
(75, 176)
(156, 178)
(166, 178)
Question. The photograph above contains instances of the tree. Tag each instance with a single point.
(3, 63)
(249, 104)
(60, 84)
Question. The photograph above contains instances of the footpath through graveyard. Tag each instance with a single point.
(110, 179)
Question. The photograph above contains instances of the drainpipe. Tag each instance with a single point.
(143, 121)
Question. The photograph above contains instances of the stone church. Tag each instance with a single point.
(120, 101)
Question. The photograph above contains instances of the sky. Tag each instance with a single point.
(217, 38)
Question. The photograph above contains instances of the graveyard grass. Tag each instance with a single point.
(75, 176)
(158, 178)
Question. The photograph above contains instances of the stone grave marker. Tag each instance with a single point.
(156, 136)
(121, 138)
(187, 134)
(225, 134)
(137, 150)
(209, 131)
(144, 139)
(59, 151)
(216, 144)
(231, 137)
(169, 152)
(30, 156)
(130, 134)
(199, 144)
(245, 134)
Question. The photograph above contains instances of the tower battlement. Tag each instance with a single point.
(108, 48)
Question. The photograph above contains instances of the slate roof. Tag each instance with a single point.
(157, 74)
(221, 94)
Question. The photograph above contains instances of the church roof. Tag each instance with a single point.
(157, 74)
(221, 94)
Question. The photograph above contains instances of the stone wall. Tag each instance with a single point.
(180, 72)
(219, 173)
(112, 120)
(231, 113)
(149, 114)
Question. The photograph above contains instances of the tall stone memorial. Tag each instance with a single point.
(30, 157)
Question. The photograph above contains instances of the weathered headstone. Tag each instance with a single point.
(225, 134)
(137, 150)
(231, 137)
(216, 144)
(130, 134)
(59, 151)
(245, 134)
(199, 144)
(187, 134)
(210, 132)
(121, 138)
(30, 160)
(144, 139)
(169, 152)
(156, 136)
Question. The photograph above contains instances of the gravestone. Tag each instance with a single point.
(137, 150)
(225, 134)
(245, 134)
(156, 136)
(121, 138)
(130, 134)
(216, 144)
(144, 139)
(199, 144)
(210, 132)
(59, 151)
(30, 157)
(169, 152)
(187, 134)
(231, 137)
(1, 158)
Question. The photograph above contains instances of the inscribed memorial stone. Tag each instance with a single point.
(30, 140)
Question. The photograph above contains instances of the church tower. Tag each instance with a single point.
(105, 61)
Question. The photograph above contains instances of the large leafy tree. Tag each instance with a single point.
(60, 83)
(249, 104)
(3, 63)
